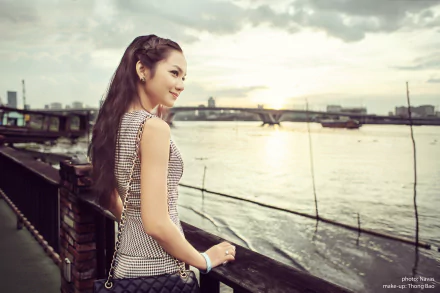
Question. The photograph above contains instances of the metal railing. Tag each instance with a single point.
(33, 187)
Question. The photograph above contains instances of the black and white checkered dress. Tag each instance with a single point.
(139, 254)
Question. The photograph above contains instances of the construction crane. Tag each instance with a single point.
(24, 94)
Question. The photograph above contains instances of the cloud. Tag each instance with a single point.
(197, 92)
(50, 41)
(433, 80)
(423, 63)
(351, 20)
(18, 12)
(238, 91)
(113, 24)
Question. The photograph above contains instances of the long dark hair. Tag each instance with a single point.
(121, 93)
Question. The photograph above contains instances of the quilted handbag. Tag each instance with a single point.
(184, 281)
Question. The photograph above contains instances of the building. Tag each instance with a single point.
(339, 109)
(211, 102)
(360, 110)
(56, 106)
(12, 99)
(27, 107)
(401, 111)
(426, 110)
(260, 106)
(77, 105)
(334, 108)
(420, 111)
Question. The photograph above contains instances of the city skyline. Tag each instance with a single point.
(402, 111)
(276, 53)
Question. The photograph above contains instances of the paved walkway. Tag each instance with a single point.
(24, 266)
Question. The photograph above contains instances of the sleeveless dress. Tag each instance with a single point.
(139, 254)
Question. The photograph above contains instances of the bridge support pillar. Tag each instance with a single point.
(270, 118)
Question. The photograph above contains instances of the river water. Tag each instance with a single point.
(367, 172)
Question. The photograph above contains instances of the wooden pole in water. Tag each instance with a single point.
(311, 160)
(415, 162)
(203, 184)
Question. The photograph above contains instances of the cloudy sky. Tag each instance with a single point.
(242, 52)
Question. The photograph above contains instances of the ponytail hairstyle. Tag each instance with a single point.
(121, 93)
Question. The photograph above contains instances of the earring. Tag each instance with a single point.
(143, 79)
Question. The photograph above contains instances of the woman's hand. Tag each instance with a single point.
(221, 253)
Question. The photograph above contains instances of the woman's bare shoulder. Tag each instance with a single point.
(155, 138)
(154, 124)
(156, 131)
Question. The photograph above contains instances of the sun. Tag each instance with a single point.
(277, 105)
(270, 99)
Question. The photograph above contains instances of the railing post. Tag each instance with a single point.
(77, 232)
(19, 223)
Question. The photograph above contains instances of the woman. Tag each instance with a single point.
(150, 75)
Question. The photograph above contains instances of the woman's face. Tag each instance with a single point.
(167, 83)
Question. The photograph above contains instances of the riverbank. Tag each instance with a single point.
(416, 122)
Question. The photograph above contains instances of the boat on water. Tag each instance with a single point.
(341, 123)
(24, 126)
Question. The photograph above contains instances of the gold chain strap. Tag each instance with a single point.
(181, 265)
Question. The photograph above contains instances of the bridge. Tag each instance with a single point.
(273, 116)
(267, 116)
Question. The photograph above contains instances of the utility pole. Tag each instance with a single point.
(24, 95)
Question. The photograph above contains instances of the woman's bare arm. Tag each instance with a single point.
(154, 152)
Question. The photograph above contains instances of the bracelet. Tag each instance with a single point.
(208, 264)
